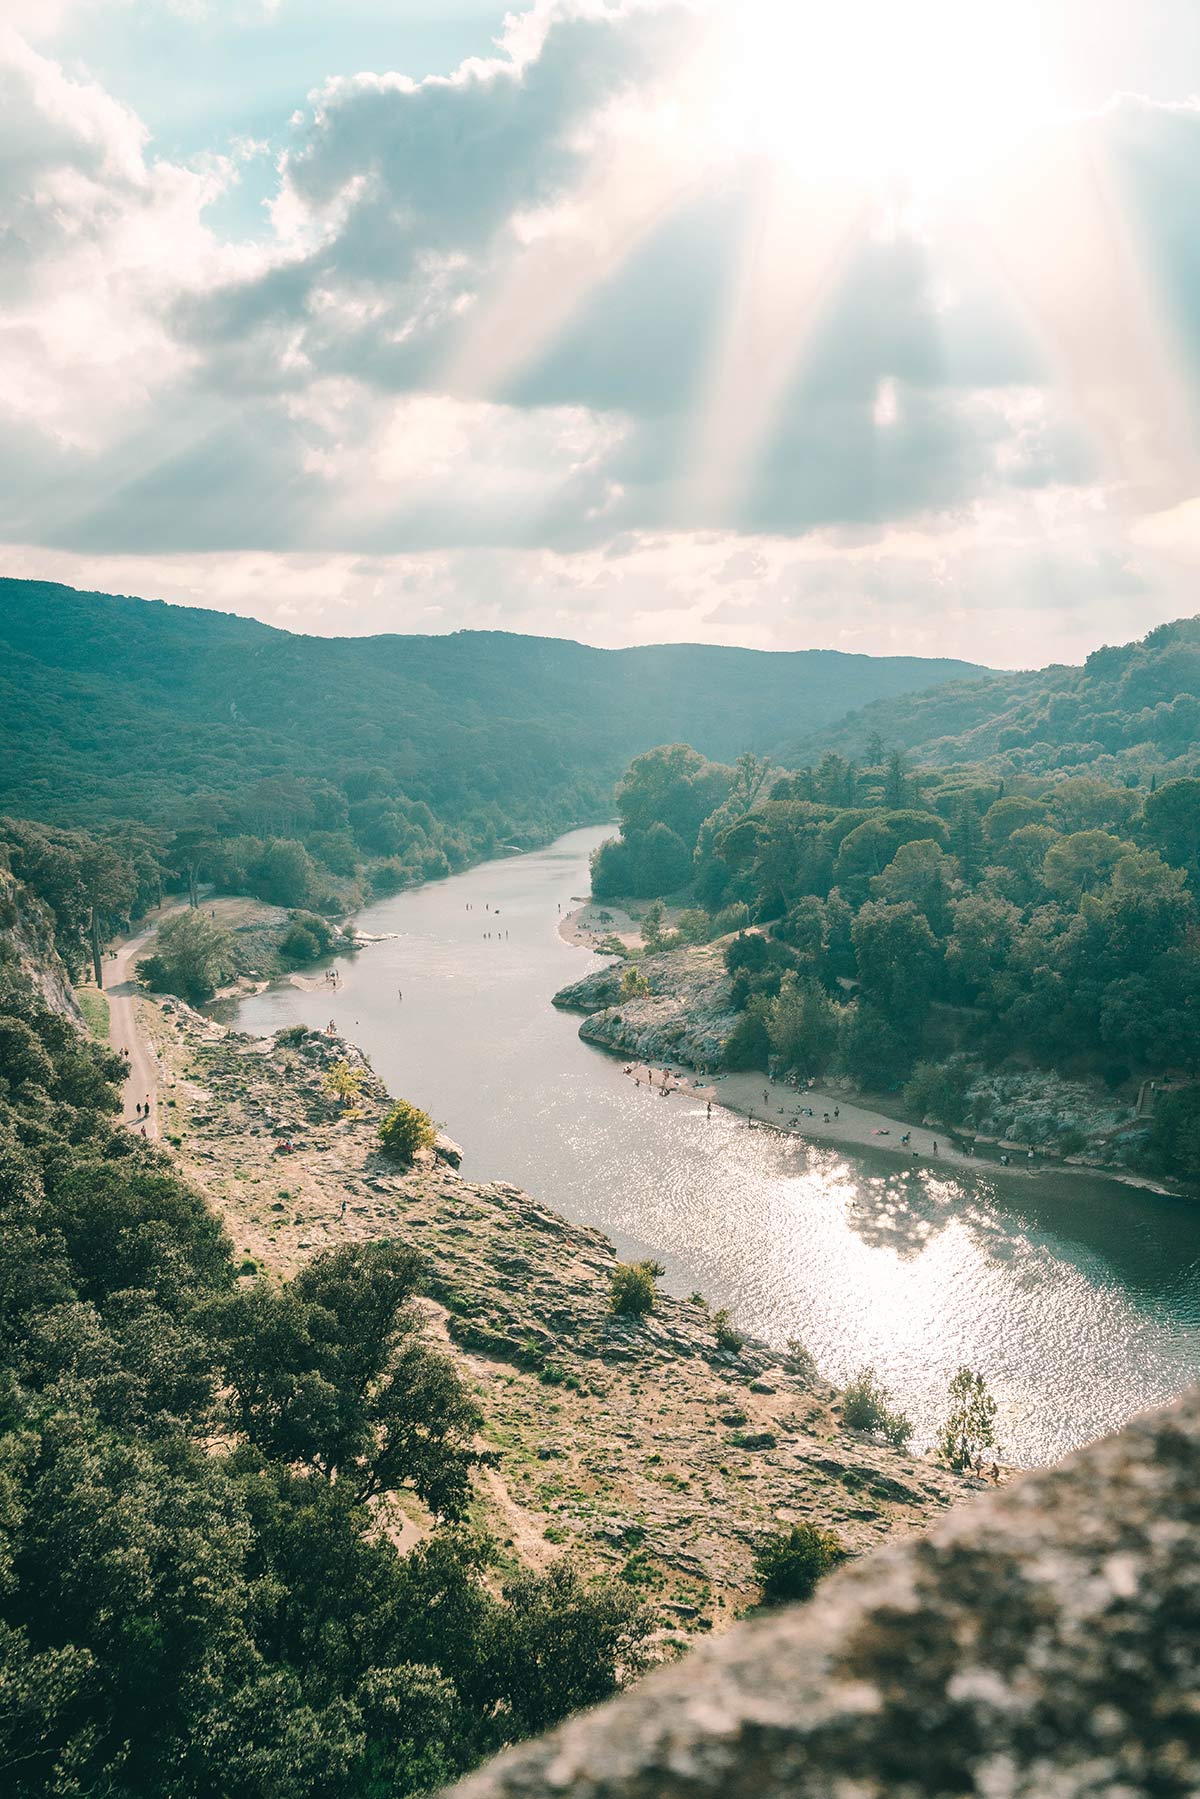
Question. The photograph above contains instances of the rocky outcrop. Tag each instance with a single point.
(27, 928)
(1043, 1643)
(686, 1017)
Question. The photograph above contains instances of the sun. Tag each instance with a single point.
(923, 93)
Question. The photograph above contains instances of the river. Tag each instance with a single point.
(1078, 1298)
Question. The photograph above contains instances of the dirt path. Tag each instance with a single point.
(125, 1030)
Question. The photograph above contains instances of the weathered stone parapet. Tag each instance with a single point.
(1040, 1643)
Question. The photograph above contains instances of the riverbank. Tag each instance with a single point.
(640, 1447)
(683, 1022)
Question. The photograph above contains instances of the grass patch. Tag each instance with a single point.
(94, 1006)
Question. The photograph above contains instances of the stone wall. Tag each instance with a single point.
(1039, 1643)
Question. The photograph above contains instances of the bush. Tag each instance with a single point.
(866, 1405)
(308, 938)
(790, 1562)
(632, 1291)
(406, 1131)
(801, 1361)
(938, 1090)
(727, 1336)
(634, 984)
(970, 1426)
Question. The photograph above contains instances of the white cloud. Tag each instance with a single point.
(456, 380)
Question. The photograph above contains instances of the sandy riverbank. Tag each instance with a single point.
(592, 921)
(814, 1114)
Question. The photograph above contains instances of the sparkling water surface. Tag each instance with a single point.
(1078, 1298)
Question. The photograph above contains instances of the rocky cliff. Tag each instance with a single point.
(27, 935)
(686, 1016)
(1043, 1643)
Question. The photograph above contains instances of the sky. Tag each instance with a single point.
(872, 327)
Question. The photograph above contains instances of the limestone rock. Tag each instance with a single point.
(1040, 1643)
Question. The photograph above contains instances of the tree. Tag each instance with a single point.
(285, 873)
(564, 1644)
(344, 1082)
(791, 1561)
(406, 1131)
(970, 1426)
(897, 957)
(803, 1025)
(1172, 818)
(193, 955)
(652, 925)
(922, 873)
(1081, 863)
(634, 984)
(897, 785)
(332, 1372)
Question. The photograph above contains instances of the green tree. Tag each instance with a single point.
(193, 955)
(867, 1406)
(634, 984)
(803, 1025)
(652, 925)
(791, 1561)
(898, 959)
(1172, 818)
(970, 1426)
(344, 1082)
(922, 873)
(406, 1131)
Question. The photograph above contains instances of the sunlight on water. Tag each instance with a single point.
(1079, 1299)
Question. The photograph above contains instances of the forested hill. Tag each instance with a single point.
(116, 707)
(1130, 709)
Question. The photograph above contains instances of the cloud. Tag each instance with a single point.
(462, 370)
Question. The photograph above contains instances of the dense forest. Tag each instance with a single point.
(921, 923)
(195, 1594)
(317, 771)
(1130, 709)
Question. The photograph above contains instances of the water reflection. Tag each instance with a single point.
(1079, 1299)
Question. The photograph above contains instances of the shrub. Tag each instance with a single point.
(405, 1131)
(344, 1082)
(801, 1361)
(866, 1405)
(727, 1336)
(634, 984)
(790, 1562)
(632, 1292)
(970, 1427)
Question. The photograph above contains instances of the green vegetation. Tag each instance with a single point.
(192, 956)
(1130, 710)
(867, 1406)
(970, 1427)
(926, 926)
(345, 1083)
(94, 1007)
(632, 1291)
(727, 1337)
(790, 1562)
(406, 1131)
(197, 1595)
(315, 772)
(634, 984)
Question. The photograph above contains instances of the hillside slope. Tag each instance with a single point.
(117, 707)
(1129, 706)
